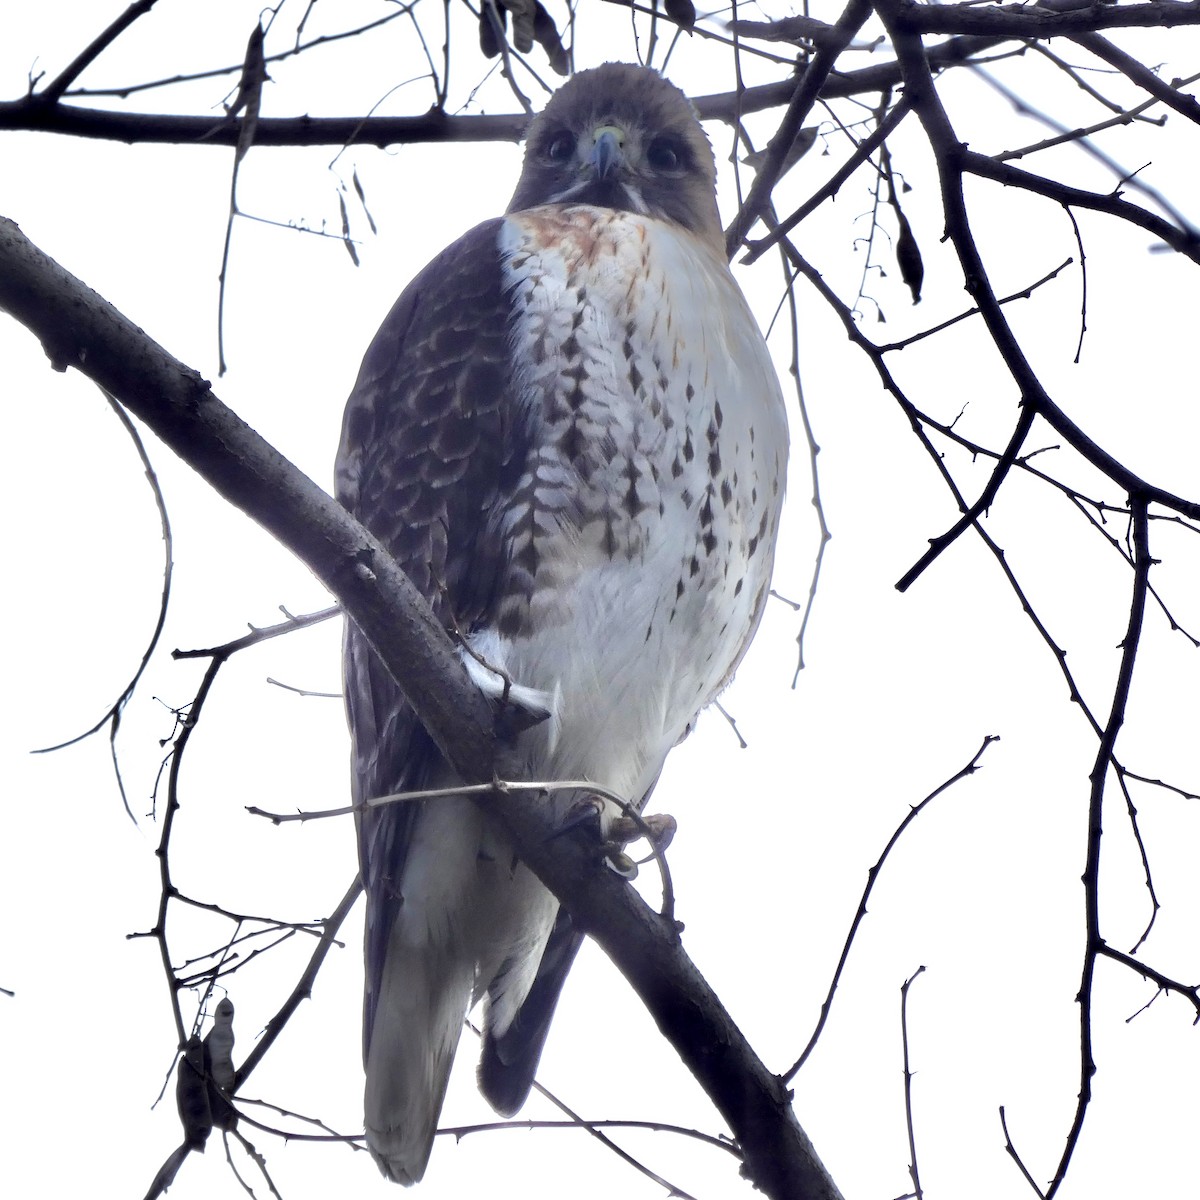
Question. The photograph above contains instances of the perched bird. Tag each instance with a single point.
(569, 433)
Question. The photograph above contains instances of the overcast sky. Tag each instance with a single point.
(775, 841)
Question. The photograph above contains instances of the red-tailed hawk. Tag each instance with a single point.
(570, 435)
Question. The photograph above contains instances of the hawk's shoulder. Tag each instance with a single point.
(430, 432)
(428, 442)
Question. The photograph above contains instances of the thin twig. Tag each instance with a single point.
(1091, 872)
(112, 717)
(805, 94)
(986, 497)
(603, 1138)
(303, 988)
(1012, 1153)
(54, 90)
(914, 1173)
(500, 787)
(872, 876)
(862, 153)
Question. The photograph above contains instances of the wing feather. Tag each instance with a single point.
(430, 442)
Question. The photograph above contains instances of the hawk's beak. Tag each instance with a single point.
(607, 150)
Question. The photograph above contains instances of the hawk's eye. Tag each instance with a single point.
(560, 147)
(665, 154)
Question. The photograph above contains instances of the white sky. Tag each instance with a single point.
(774, 841)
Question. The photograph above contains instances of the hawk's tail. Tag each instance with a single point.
(509, 1060)
(418, 1019)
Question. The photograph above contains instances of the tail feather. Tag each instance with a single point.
(464, 918)
(418, 1020)
(510, 1057)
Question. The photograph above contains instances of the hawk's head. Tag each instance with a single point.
(620, 136)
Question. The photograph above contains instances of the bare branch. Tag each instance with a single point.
(1166, 93)
(303, 988)
(32, 113)
(112, 718)
(1091, 871)
(53, 91)
(78, 329)
(872, 876)
(806, 92)
(908, 1076)
(1043, 20)
(971, 516)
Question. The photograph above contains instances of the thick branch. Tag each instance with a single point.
(779, 1158)
(1042, 20)
(42, 113)
(1185, 241)
(807, 88)
(55, 89)
(78, 328)
(33, 113)
(953, 161)
(1141, 75)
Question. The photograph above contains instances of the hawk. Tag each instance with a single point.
(569, 433)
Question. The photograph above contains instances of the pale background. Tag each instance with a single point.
(774, 842)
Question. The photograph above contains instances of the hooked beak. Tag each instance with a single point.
(607, 150)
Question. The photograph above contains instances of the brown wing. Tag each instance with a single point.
(432, 442)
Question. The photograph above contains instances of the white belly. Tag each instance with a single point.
(642, 529)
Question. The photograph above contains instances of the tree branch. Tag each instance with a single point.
(1042, 20)
(805, 93)
(1141, 75)
(434, 126)
(78, 328)
(35, 114)
(54, 90)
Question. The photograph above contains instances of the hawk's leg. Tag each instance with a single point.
(586, 817)
(657, 828)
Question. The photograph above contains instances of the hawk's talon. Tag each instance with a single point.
(624, 830)
(586, 818)
(620, 862)
(584, 815)
(657, 828)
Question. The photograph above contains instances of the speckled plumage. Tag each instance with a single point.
(569, 433)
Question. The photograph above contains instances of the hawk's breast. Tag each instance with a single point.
(640, 532)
